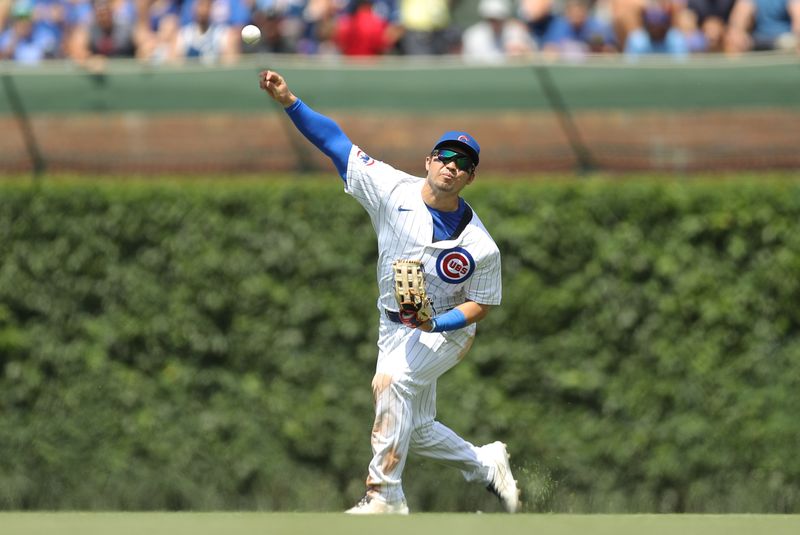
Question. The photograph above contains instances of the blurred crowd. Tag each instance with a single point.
(169, 31)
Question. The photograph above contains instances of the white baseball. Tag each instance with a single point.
(251, 34)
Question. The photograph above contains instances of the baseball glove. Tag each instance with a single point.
(409, 291)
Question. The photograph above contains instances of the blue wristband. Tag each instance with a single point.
(449, 321)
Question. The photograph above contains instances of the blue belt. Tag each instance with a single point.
(395, 316)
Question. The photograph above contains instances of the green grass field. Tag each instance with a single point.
(338, 523)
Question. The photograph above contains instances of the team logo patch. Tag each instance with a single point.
(463, 138)
(455, 265)
(364, 157)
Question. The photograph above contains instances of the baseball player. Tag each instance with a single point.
(423, 219)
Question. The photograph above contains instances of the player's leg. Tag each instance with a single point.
(393, 391)
(436, 441)
(408, 361)
(408, 364)
(391, 433)
(488, 464)
(433, 439)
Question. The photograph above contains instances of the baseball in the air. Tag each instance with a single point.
(251, 34)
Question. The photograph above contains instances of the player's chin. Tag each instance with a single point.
(445, 188)
(446, 183)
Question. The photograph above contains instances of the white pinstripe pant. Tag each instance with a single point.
(404, 390)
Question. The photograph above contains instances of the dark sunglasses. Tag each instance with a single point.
(445, 156)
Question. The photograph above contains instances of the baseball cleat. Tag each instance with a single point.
(502, 483)
(370, 505)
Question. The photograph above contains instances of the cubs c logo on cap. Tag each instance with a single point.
(455, 265)
(463, 138)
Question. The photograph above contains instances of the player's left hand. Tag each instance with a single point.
(409, 316)
(414, 307)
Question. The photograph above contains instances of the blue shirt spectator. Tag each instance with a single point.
(771, 21)
(657, 36)
(50, 21)
(77, 13)
(775, 24)
(287, 8)
(229, 12)
(24, 41)
(578, 31)
(159, 10)
(540, 18)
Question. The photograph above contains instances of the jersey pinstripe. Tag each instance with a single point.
(466, 267)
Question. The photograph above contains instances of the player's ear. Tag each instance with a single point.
(471, 176)
(427, 163)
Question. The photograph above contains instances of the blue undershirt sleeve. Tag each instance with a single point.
(449, 321)
(324, 133)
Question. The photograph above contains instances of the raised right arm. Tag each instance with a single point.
(320, 130)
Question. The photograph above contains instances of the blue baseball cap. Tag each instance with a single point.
(454, 138)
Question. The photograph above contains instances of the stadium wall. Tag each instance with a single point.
(603, 114)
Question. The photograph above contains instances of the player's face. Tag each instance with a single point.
(449, 170)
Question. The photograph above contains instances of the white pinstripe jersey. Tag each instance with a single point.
(465, 268)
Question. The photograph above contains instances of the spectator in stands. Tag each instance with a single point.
(5, 12)
(389, 10)
(497, 35)
(22, 41)
(427, 27)
(711, 17)
(108, 34)
(208, 40)
(232, 13)
(540, 16)
(657, 35)
(226, 17)
(319, 17)
(270, 20)
(775, 25)
(49, 18)
(282, 25)
(686, 22)
(157, 30)
(78, 14)
(626, 17)
(578, 32)
(361, 32)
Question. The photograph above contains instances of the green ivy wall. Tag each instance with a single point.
(210, 346)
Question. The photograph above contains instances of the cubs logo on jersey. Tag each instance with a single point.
(455, 265)
(364, 157)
